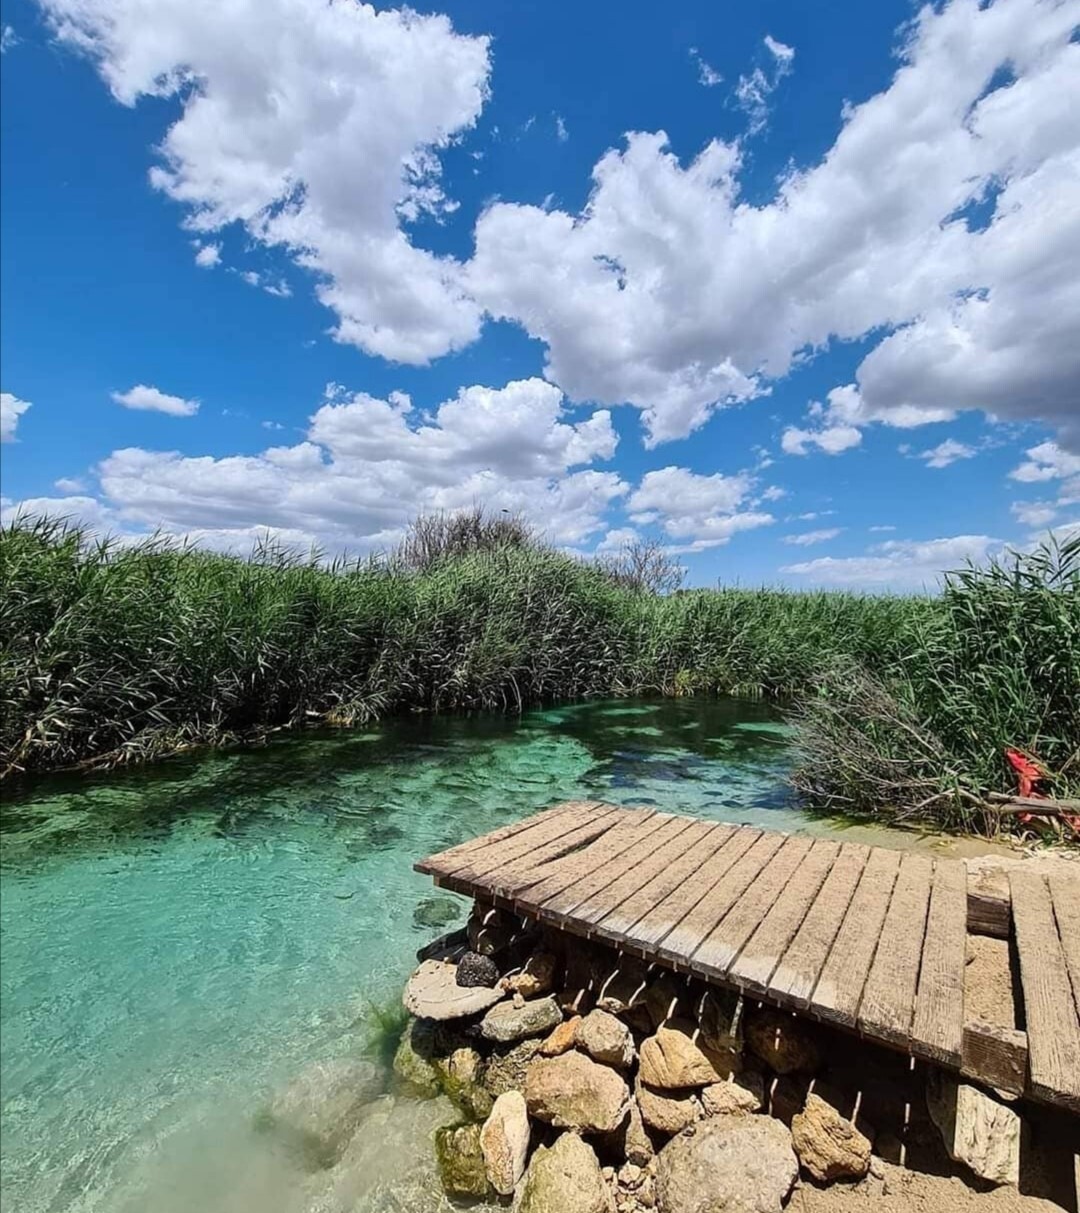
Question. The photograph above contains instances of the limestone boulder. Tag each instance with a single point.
(977, 1129)
(675, 1057)
(728, 1164)
(565, 1178)
(743, 1092)
(574, 1092)
(319, 1110)
(667, 1111)
(562, 1039)
(782, 1042)
(461, 1160)
(829, 1145)
(507, 1066)
(605, 1039)
(537, 976)
(504, 1140)
(432, 992)
(460, 1076)
(630, 1140)
(506, 1022)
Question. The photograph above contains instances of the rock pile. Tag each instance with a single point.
(589, 1082)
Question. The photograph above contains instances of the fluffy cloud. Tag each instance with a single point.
(366, 467)
(1047, 461)
(318, 128)
(899, 563)
(947, 452)
(944, 221)
(1033, 513)
(11, 409)
(808, 538)
(207, 255)
(702, 510)
(150, 399)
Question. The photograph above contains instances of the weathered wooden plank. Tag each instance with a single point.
(591, 891)
(888, 1002)
(662, 918)
(840, 985)
(988, 914)
(657, 864)
(533, 888)
(995, 1055)
(452, 857)
(763, 951)
(801, 963)
(1050, 1012)
(496, 867)
(684, 938)
(937, 1032)
(1065, 894)
(714, 955)
(619, 924)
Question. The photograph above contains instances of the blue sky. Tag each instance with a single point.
(794, 289)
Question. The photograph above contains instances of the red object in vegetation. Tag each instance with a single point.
(1028, 774)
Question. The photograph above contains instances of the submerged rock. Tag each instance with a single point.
(436, 912)
(461, 1160)
(432, 992)
(504, 1140)
(829, 1145)
(564, 1179)
(507, 1022)
(414, 1061)
(737, 1163)
(574, 1092)
(319, 1110)
(476, 970)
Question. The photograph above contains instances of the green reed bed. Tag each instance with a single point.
(113, 653)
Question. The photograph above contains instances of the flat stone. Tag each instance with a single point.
(667, 1111)
(432, 992)
(562, 1039)
(605, 1039)
(676, 1057)
(977, 1130)
(574, 1092)
(564, 1179)
(727, 1164)
(504, 1140)
(508, 1022)
(830, 1146)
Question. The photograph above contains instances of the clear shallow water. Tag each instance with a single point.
(176, 941)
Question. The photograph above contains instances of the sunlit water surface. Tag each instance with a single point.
(177, 941)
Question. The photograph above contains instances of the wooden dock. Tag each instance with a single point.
(868, 939)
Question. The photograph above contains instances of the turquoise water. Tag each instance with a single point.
(177, 941)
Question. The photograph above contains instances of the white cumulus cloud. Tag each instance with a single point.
(151, 399)
(11, 409)
(898, 564)
(1047, 461)
(808, 538)
(316, 127)
(671, 292)
(207, 255)
(703, 511)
